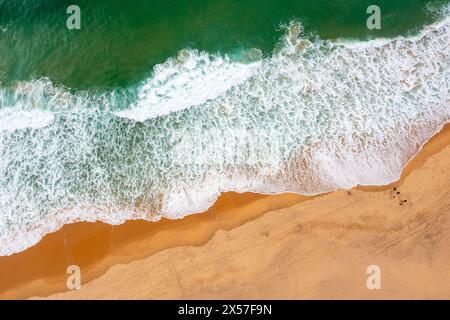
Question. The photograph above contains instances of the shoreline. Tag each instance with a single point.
(98, 247)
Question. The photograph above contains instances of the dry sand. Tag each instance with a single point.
(256, 246)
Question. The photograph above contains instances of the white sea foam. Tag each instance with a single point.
(189, 80)
(12, 119)
(316, 116)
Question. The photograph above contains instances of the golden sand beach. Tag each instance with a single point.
(258, 246)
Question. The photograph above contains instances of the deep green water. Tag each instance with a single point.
(120, 41)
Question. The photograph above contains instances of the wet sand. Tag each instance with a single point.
(259, 246)
(95, 247)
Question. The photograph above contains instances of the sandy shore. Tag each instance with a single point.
(256, 246)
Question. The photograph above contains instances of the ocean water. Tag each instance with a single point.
(154, 108)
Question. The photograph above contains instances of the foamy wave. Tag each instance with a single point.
(12, 119)
(191, 79)
(316, 116)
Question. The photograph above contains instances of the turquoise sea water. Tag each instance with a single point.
(153, 108)
(119, 43)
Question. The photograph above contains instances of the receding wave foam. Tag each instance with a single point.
(313, 117)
